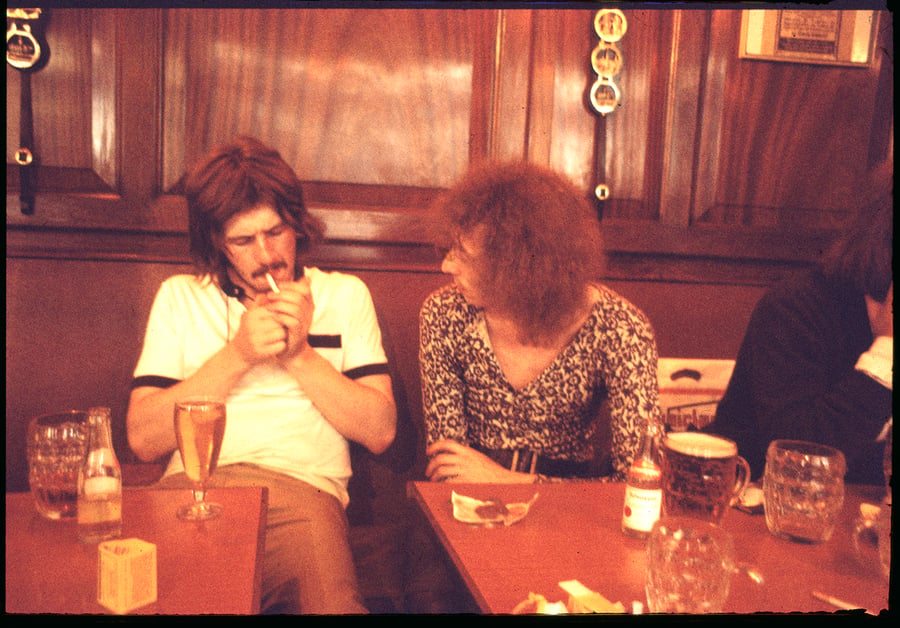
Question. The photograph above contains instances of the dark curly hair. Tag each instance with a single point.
(862, 258)
(235, 177)
(542, 242)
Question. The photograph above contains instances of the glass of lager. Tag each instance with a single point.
(200, 428)
(702, 475)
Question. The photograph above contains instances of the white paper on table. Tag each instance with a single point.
(471, 510)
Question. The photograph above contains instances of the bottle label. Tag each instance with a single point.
(642, 508)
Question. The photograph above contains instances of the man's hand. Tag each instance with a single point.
(293, 308)
(448, 460)
(260, 336)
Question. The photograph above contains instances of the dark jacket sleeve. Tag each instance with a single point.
(795, 378)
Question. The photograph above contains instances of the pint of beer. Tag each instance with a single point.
(702, 475)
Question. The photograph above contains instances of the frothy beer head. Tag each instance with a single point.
(700, 445)
(702, 475)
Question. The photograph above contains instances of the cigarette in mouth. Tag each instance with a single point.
(272, 283)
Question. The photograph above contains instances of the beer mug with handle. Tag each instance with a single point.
(702, 475)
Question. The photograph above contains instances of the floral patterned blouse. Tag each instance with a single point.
(466, 397)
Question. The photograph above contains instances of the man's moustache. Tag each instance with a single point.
(261, 272)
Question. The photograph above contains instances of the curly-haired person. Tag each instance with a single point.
(524, 352)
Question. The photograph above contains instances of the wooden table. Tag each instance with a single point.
(573, 533)
(207, 567)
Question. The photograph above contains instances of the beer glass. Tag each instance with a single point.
(56, 448)
(803, 486)
(702, 475)
(689, 568)
(199, 428)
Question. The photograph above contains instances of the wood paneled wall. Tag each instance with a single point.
(708, 156)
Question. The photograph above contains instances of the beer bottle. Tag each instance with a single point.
(99, 482)
(643, 485)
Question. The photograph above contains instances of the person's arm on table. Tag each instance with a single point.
(449, 456)
(451, 461)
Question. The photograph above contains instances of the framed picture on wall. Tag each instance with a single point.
(845, 38)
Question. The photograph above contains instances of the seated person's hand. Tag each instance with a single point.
(293, 308)
(260, 336)
(450, 461)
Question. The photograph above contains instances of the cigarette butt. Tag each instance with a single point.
(836, 602)
(272, 283)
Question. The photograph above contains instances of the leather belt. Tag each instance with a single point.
(529, 461)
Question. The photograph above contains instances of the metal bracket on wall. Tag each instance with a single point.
(605, 96)
(27, 52)
(606, 59)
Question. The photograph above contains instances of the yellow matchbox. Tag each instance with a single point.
(126, 575)
(583, 600)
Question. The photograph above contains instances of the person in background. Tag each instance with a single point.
(816, 362)
(302, 370)
(522, 350)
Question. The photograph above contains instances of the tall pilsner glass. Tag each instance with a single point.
(199, 427)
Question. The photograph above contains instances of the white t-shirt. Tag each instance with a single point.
(270, 420)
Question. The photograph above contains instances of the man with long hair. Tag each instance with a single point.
(816, 362)
(294, 351)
